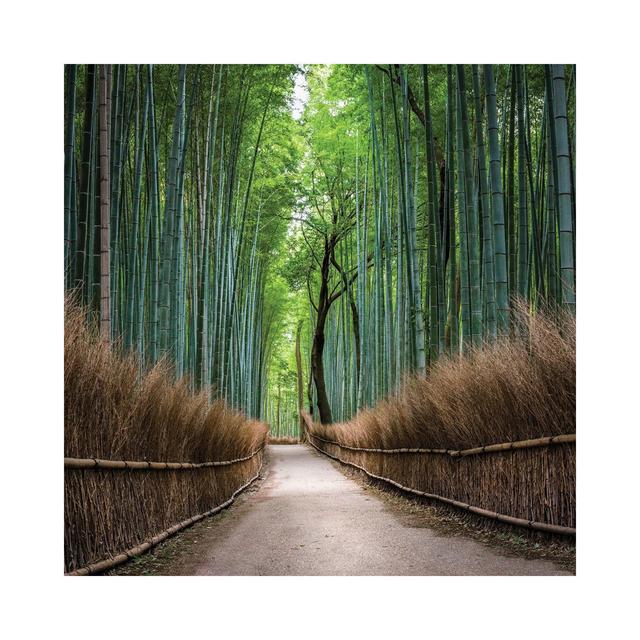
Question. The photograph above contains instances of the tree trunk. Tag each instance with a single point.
(317, 349)
(317, 367)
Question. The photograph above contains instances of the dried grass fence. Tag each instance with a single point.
(492, 432)
(113, 512)
(144, 456)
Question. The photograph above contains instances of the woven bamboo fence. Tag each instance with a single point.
(114, 510)
(529, 483)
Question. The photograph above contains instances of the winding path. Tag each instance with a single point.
(307, 518)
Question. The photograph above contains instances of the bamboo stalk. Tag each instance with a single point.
(109, 563)
(105, 202)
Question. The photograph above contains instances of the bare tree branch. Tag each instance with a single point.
(394, 77)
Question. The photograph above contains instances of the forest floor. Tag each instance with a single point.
(308, 517)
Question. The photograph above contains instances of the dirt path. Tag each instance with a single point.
(307, 518)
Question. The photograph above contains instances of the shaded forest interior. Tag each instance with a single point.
(290, 236)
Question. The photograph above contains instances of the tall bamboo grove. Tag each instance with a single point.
(171, 211)
(395, 222)
(437, 195)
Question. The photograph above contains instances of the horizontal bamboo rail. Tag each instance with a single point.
(519, 444)
(520, 522)
(97, 463)
(110, 563)
(458, 453)
(369, 450)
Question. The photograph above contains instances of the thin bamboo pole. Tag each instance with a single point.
(98, 463)
(459, 453)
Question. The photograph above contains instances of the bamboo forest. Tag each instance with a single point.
(374, 262)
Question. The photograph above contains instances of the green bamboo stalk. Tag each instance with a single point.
(454, 319)
(472, 219)
(487, 225)
(132, 288)
(105, 206)
(436, 284)
(511, 225)
(523, 210)
(497, 206)
(561, 153)
(154, 200)
(69, 155)
(409, 228)
(169, 226)
(119, 146)
(82, 264)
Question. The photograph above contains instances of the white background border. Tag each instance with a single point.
(39, 37)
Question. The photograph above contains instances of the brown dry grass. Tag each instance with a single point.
(515, 389)
(116, 410)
